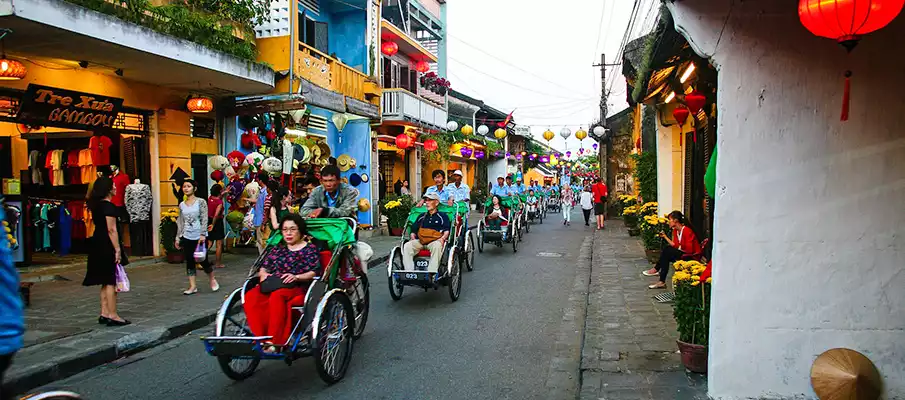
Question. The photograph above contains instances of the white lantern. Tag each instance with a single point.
(452, 126)
(599, 131)
(483, 130)
(565, 133)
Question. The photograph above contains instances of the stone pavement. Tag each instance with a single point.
(629, 349)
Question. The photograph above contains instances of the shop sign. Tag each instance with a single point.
(52, 106)
(362, 108)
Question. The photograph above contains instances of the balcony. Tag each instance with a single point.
(329, 73)
(402, 105)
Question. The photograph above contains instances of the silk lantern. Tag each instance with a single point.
(430, 145)
(548, 135)
(846, 21)
(581, 134)
(11, 70)
(422, 66)
(483, 130)
(479, 154)
(199, 105)
(568, 154)
(452, 126)
(467, 130)
(389, 48)
(565, 133)
(466, 151)
(681, 115)
(695, 101)
(403, 141)
(594, 146)
(499, 133)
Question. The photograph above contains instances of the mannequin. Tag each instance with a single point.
(138, 205)
(120, 181)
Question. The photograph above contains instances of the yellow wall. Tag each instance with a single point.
(275, 51)
(533, 174)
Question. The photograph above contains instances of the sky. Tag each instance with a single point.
(535, 57)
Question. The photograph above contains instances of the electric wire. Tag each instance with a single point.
(510, 83)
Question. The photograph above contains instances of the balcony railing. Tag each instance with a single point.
(402, 105)
(329, 73)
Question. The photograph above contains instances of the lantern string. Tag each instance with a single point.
(846, 95)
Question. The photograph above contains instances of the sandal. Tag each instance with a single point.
(657, 286)
(648, 273)
(215, 287)
(190, 292)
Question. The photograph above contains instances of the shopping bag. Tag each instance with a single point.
(122, 280)
(200, 251)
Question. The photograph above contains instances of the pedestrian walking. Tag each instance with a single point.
(105, 251)
(404, 190)
(587, 204)
(599, 191)
(190, 233)
(216, 231)
(568, 200)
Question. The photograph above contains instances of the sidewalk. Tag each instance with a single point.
(62, 337)
(629, 349)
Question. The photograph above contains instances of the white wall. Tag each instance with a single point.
(810, 217)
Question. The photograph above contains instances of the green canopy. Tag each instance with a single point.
(710, 176)
(507, 202)
(459, 208)
(335, 231)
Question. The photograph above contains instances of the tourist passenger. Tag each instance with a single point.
(430, 231)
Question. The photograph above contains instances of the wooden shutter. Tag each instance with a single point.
(387, 73)
(321, 41)
(404, 79)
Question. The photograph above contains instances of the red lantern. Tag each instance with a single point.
(846, 21)
(403, 141)
(389, 48)
(681, 115)
(430, 145)
(422, 66)
(695, 101)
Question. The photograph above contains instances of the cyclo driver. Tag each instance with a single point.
(430, 230)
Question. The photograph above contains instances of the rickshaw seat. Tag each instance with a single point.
(326, 255)
(423, 253)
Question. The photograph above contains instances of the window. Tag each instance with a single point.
(313, 33)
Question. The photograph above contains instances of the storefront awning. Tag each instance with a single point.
(69, 33)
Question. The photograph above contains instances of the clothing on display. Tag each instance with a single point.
(100, 149)
(120, 181)
(138, 201)
(54, 226)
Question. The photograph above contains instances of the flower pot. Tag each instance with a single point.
(694, 356)
(652, 255)
(395, 231)
(175, 258)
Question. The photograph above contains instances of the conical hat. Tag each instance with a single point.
(839, 374)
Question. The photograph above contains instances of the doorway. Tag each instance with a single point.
(199, 174)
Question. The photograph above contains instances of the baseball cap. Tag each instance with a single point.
(458, 172)
(432, 196)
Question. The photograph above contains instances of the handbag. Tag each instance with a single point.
(274, 283)
(122, 280)
(200, 251)
(426, 236)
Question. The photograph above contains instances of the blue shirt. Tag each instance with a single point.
(437, 221)
(443, 193)
(461, 193)
(520, 187)
(259, 207)
(12, 320)
(331, 200)
(511, 190)
(498, 190)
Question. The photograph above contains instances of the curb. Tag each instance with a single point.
(564, 378)
(36, 376)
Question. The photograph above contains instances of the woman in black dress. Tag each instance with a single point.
(105, 250)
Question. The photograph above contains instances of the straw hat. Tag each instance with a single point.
(839, 374)
(345, 162)
(364, 205)
(365, 178)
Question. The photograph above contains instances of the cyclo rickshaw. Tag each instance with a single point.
(553, 204)
(523, 213)
(510, 230)
(459, 251)
(533, 212)
(333, 313)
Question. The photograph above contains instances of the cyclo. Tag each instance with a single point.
(523, 213)
(334, 311)
(553, 204)
(459, 251)
(509, 231)
(534, 211)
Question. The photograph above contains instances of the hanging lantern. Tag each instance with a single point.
(508, 155)
(518, 157)
(581, 134)
(544, 159)
(599, 131)
(430, 145)
(467, 130)
(466, 151)
(11, 70)
(497, 153)
(403, 141)
(422, 66)
(499, 133)
(452, 126)
(389, 48)
(483, 130)
(695, 101)
(846, 21)
(565, 133)
(568, 154)
(479, 154)
(581, 151)
(681, 115)
(548, 135)
(199, 105)
(594, 146)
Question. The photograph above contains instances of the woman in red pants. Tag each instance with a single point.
(285, 272)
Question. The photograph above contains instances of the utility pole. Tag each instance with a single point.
(602, 149)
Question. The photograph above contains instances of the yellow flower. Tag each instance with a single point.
(696, 282)
(709, 280)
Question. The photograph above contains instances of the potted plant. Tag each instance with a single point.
(691, 308)
(168, 235)
(651, 226)
(396, 209)
(630, 216)
(623, 201)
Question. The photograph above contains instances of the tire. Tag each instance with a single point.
(455, 278)
(361, 306)
(334, 338)
(235, 324)
(527, 227)
(469, 252)
(481, 237)
(515, 241)
(395, 287)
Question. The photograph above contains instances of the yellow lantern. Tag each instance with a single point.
(548, 135)
(499, 133)
(467, 130)
(581, 134)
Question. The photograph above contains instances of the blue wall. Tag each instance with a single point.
(346, 32)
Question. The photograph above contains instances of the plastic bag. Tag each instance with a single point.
(122, 280)
(249, 221)
(200, 251)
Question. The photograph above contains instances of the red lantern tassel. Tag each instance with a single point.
(846, 95)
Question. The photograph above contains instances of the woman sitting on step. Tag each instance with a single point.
(683, 242)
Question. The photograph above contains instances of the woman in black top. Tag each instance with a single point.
(105, 250)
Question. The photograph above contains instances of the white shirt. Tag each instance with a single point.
(586, 200)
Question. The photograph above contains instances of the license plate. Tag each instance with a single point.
(421, 264)
(413, 276)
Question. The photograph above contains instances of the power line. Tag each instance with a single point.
(513, 65)
(600, 29)
(510, 83)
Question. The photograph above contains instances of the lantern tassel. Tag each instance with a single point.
(846, 95)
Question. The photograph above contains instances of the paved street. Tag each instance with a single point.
(496, 342)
